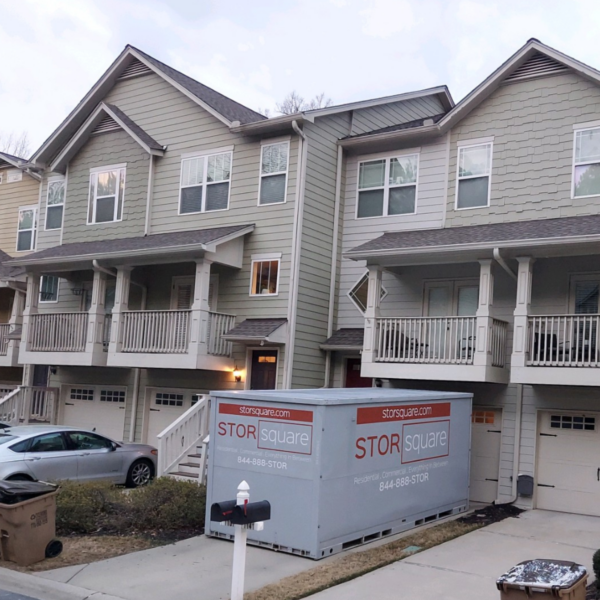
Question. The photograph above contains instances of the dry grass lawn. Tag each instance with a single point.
(355, 564)
(78, 550)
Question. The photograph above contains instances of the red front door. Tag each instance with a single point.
(353, 378)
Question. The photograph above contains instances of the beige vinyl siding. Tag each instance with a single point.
(532, 124)
(430, 214)
(394, 113)
(106, 149)
(68, 301)
(47, 239)
(12, 196)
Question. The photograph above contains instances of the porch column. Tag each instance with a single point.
(16, 320)
(122, 286)
(96, 314)
(31, 308)
(372, 313)
(482, 355)
(199, 325)
(522, 308)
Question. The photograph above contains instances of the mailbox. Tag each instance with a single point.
(222, 511)
(252, 512)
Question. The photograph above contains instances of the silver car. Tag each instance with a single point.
(52, 453)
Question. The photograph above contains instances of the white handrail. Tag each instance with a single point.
(9, 407)
(182, 435)
(58, 332)
(4, 331)
(219, 324)
(155, 331)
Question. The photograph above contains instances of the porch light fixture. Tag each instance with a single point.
(237, 374)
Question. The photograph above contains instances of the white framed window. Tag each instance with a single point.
(205, 183)
(360, 293)
(387, 186)
(1, 177)
(265, 276)
(14, 175)
(274, 162)
(474, 176)
(26, 228)
(48, 288)
(107, 190)
(586, 163)
(55, 202)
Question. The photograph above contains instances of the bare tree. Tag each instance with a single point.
(294, 103)
(17, 145)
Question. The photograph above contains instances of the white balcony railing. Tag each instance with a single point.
(218, 324)
(155, 331)
(563, 341)
(58, 332)
(4, 330)
(29, 405)
(497, 345)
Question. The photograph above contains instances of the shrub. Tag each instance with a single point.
(165, 505)
(596, 567)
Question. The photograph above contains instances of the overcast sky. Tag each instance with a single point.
(256, 51)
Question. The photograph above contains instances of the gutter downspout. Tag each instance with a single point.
(517, 445)
(334, 259)
(136, 370)
(498, 258)
(150, 193)
(295, 259)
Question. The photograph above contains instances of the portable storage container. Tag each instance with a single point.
(340, 467)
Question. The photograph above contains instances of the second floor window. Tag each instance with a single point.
(586, 164)
(388, 186)
(273, 172)
(474, 176)
(55, 204)
(107, 188)
(48, 288)
(205, 183)
(265, 278)
(26, 229)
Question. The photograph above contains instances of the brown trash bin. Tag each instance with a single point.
(26, 529)
(535, 578)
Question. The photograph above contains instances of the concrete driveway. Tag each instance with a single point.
(466, 568)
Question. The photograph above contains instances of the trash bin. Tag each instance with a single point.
(28, 521)
(555, 578)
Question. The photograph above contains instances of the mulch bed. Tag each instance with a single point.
(491, 514)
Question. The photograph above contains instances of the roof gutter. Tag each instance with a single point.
(357, 142)
(269, 125)
(498, 258)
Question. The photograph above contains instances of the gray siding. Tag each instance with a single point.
(394, 113)
(112, 148)
(532, 124)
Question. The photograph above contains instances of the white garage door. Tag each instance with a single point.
(486, 435)
(96, 408)
(568, 463)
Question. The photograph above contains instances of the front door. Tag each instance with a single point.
(353, 377)
(264, 370)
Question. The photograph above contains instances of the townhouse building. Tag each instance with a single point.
(470, 261)
(184, 243)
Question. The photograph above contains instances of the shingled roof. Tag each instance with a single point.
(161, 241)
(345, 339)
(400, 127)
(135, 128)
(491, 234)
(254, 329)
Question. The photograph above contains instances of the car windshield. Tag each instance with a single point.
(5, 438)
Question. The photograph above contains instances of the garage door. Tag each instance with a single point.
(166, 406)
(486, 435)
(568, 463)
(96, 408)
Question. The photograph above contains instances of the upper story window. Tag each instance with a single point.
(55, 202)
(274, 159)
(388, 186)
(586, 163)
(205, 183)
(474, 176)
(26, 228)
(107, 188)
(265, 276)
(48, 288)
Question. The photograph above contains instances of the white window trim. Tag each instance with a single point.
(386, 186)
(582, 164)
(286, 173)
(257, 260)
(205, 183)
(57, 291)
(54, 180)
(475, 141)
(212, 151)
(96, 170)
(33, 230)
(460, 147)
(349, 292)
(266, 256)
(1, 177)
(589, 125)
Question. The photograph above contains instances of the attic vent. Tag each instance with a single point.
(135, 68)
(107, 124)
(539, 65)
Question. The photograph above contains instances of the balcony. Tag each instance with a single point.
(438, 348)
(560, 350)
(9, 348)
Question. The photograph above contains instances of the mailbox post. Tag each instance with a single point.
(243, 515)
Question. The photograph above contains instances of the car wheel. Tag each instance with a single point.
(140, 473)
(19, 477)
